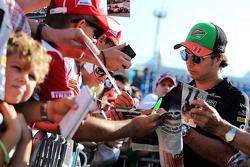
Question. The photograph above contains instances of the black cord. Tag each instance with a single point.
(104, 59)
(39, 31)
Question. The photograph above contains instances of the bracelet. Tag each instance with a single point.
(44, 111)
(39, 30)
(104, 59)
(5, 152)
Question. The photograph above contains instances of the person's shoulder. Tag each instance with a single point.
(52, 51)
(234, 91)
(148, 101)
(151, 95)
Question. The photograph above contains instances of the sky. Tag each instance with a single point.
(140, 29)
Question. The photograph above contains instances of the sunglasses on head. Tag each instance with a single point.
(99, 72)
(98, 30)
(195, 59)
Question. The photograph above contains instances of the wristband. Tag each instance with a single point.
(44, 111)
(39, 30)
(104, 59)
(5, 152)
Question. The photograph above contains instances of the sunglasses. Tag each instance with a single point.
(99, 72)
(108, 86)
(195, 59)
(98, 30)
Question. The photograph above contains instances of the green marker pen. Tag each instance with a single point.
(157, 106)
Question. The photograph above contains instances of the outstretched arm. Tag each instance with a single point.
(95, 129)
(113, 58)
(209, 148)
(56, 109)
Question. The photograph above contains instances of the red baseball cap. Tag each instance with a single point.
(166, 77)
(114, 31)
(89, 7)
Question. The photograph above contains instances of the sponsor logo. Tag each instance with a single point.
(242, 113)
(243, 106)
(170, 129)
(211, 102)
(214, 95)
(198, 34)
(220, 47)
(196, 49)
(84, 2)
(172, 159)
(243, 110)
(113, 32)
(241, 119)
(60, 94)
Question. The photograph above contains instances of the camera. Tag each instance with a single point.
(129, 51)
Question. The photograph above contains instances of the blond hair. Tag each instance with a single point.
(30, 50)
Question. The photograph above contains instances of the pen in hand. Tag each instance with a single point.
(157, 106)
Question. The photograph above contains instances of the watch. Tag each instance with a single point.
(230, 135)
(185, 129)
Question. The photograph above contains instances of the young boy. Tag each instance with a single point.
(27, 65)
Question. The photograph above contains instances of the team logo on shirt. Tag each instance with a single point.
(60, 94)
(243, 110)
(211, 102)
(241, 119)
(242, 113)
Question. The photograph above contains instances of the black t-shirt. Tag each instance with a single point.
(230, 103)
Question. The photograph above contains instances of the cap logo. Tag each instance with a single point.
(220, 48)
(114, 33)
(196, 50)
(58, 10)
(85, 2)
(198, 34)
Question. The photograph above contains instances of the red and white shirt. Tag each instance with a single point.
(55, 85)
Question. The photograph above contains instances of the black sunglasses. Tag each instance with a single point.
(195, 59)
(98, 30)
(99, 72)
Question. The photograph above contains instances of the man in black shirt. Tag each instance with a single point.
(205, 58)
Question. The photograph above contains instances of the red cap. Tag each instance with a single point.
(82, 7)
(114, 31)
(166, 77)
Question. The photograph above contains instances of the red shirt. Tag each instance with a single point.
(55, 84)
